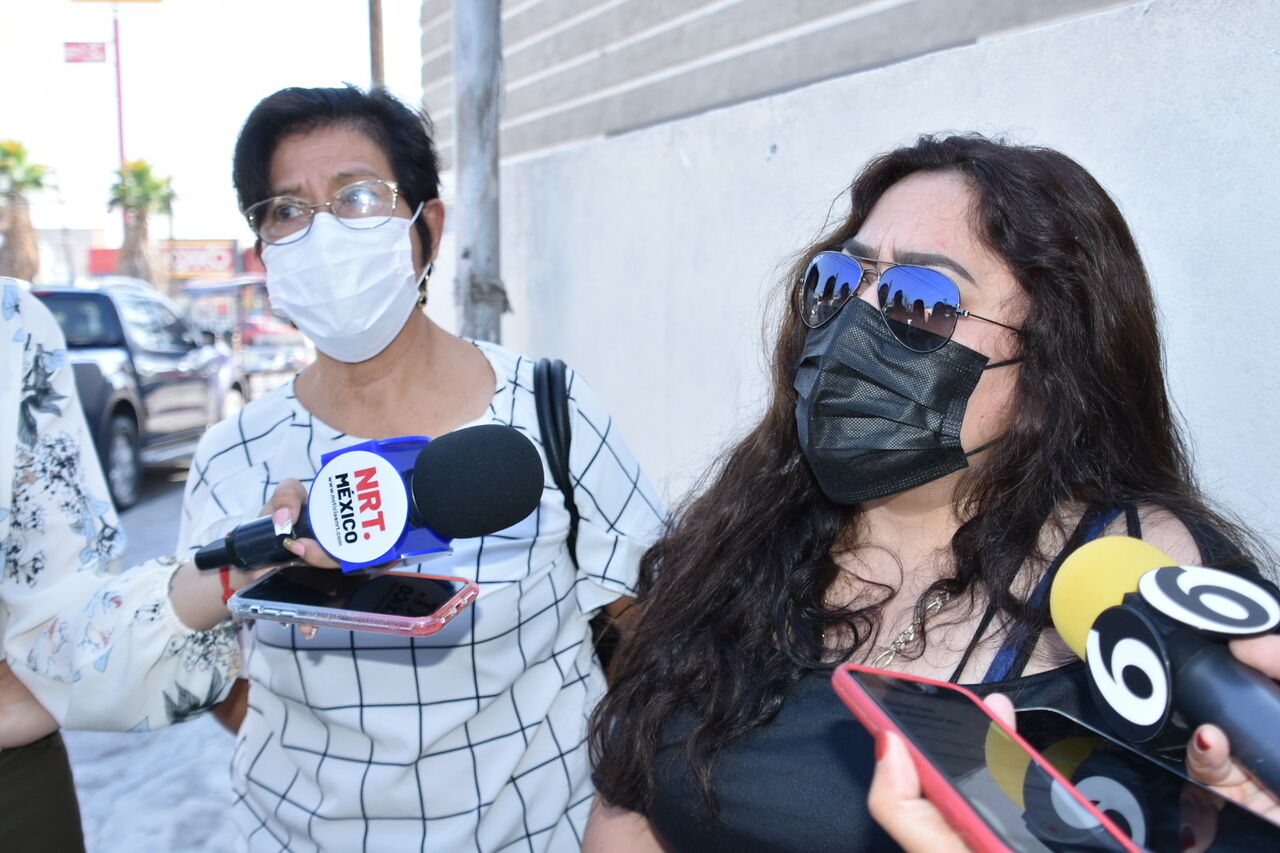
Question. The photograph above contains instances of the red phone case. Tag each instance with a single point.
(962, 817)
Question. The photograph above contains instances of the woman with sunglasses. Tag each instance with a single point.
(473, 737)
(966, 386)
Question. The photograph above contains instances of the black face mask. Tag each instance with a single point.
(874, 417)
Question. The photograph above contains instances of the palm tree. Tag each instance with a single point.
(19, 254)
(140, 193)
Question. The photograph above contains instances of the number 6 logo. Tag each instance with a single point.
(1210, 600)
(1129, 673)
(1117, 802)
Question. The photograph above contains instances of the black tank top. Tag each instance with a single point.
(799, 782)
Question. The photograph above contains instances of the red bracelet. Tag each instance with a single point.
(224, 575)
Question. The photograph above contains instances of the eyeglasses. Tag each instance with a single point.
(362, 205)
(919, 305)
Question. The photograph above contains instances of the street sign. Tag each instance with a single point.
(85, 51)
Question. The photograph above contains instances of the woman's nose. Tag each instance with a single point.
(868, 292)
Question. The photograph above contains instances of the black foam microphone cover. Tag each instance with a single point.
(476, 481)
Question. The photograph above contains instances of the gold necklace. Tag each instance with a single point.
(908, 635)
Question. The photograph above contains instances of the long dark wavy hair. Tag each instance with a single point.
(731, 601)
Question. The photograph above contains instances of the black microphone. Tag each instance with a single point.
(1154, 637)
(390, 499)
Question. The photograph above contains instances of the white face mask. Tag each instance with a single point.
(349, 290)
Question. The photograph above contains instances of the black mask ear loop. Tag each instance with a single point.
(422, 284)
(983, 447)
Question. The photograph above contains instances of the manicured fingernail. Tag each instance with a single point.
(1202, 743)
(1186, 838)
(882, 746)
(294, 546)
(283, 515)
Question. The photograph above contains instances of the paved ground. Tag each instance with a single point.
(167, 790)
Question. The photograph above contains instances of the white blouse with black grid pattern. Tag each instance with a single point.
(469, 739)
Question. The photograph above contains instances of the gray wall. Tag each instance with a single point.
(577, 69)
(646, 259)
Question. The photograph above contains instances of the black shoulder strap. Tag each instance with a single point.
(551, 394)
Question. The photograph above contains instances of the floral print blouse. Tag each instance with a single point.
(100, 648)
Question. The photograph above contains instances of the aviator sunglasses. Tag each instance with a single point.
(918, 305)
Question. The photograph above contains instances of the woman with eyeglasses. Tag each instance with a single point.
(917, 478)
(473, 737)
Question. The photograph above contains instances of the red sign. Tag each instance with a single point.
(198, 258)
(85, 51)
(103, 261)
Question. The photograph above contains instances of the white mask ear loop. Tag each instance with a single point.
(426, 271)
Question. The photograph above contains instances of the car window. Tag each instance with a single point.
(150, 328)
(170, 327)
(141, 326)
(84, 321)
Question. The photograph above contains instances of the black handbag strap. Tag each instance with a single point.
(551, 395)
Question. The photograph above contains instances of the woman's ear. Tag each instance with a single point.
(433, 215)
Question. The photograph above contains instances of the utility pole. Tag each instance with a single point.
(375, 43)
(477, 81)
(115, 38)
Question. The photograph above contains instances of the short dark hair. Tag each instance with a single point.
(403, 134)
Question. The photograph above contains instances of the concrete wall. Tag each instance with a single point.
(577, 69)
(646, 259)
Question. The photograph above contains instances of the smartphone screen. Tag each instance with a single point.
(1157, 806)
(1027, 808)
(390, 593)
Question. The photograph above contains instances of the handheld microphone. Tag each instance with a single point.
(396, 498)
(1153, 635)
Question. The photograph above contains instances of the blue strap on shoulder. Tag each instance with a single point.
(1002, 665)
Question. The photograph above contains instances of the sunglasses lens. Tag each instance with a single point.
(919, 306)
(831, 280)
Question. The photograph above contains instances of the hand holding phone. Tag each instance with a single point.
(898, 804)
(975, 769)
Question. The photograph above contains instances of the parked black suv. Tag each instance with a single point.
(149, 385)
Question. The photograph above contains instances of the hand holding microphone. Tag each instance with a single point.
(386, 500)
(1209, 758)
(286, 506)
(1154, 636)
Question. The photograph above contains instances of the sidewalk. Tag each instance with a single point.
(165, 790)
